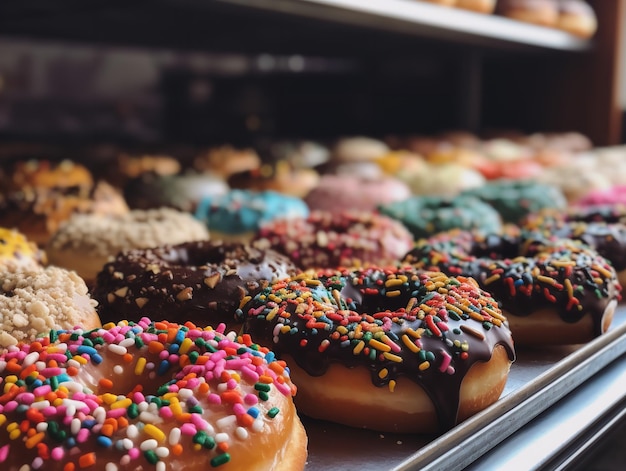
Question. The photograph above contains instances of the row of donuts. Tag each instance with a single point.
(395, 321)
(144, 393)
(574, 16)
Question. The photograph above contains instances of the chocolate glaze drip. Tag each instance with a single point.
(368, 318)
(203, 281)
(526, 273)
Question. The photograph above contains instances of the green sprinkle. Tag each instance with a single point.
(195, 410)
(54, 383)
(163, 389)
(193, 357)
(273, 412)
(262, 387)
(54, 336)
(132, 411)
(263, 396)
(220, 460)
(151, 456)
(138, 342)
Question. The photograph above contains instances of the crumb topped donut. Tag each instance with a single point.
(85, 242)
(329, 240)
(200, 281)
(17, 251)
(147, 395)
(391, 350)
(34, 301)
(553, 291)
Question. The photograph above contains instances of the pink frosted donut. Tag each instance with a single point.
(611, 196)
(337, 193)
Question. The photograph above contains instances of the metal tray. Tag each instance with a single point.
(539, 378)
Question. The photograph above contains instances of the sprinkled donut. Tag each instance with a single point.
(85, 242)
(200, 281)
(387, 349)
(428, 215)
(17, 251)
(330, 240)
(552, 291)
(33, 301)
(147, 395)
(602, 228)
(515, 199)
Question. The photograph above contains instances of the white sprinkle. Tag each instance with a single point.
(127, 443)
(174, 437)
(125, 460)
(142, 406)
(241, 433)
(185, 393)
(221, 437)
(3, 365)
(222, 387)
(162, 452)
(40, 365)
(24, 467)
(132, 431)
(129, 342)
(30, 359)
(149, 444)
(75, 426)
(40, 405)
(42, 426)
(73, 363)
(258, 424)
(160, 466)
(150, 418)
(37, 463)
(118, 369)
(100, 414)
(110, 466)
(227, 422)
(117, 349)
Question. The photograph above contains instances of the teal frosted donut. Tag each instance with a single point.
(515, 199)
(238, 214)
(428, 215)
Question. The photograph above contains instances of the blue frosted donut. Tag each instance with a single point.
(238, 214)
(428, 215)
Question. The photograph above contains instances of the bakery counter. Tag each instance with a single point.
(558, 401)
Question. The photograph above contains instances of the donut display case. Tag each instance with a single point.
(98, 84)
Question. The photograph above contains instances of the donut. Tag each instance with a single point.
(128, 167)
(38, 214)
(427, 215)
(577, 18)
(443, 179)
(551, 291)
(147, 395)
(601, 228)
(338, 193)
(200, 281)
(44, 174)
(33, 301)
(479, 6)
(396, 350)
(238, 214)
(328, 240)
(16, 251)
(225, 161)
(182, 192)
(515, 199)
(540, 12)
(577, 179)
(358, 149)
(608, 196)
(282, 177)
(85, 242)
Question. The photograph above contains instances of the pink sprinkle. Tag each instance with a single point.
(138, 397)
(51, 411)
(49, 372)
(57, 453)
(283, 388)
(166, 412)
(134, 453)
(25, 398)
(42, 390)
(192, 383)
(188, 429)
(115, 413)
(4, 453)
(445, 362)
(214, 398)
(235, 364)
(239, 409)
(10, 406)
(249, 374)
(82, 435)
(199, 422)
(251, 399)
(231, 384)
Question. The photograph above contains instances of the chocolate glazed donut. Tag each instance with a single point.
(201, 281)
(387, 349)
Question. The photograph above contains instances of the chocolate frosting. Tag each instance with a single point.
(396, 323)
(200, 281)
